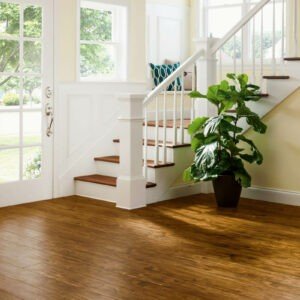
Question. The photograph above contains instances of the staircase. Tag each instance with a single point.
(153, 148)
(103, 185)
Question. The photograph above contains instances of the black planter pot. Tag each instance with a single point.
(227, 191)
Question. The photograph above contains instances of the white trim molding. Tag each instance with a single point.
(272, 195)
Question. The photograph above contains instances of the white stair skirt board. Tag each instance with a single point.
(96, 191)
(272, 195)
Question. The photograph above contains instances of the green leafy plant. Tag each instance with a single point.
(219, 143)
(11, 99)
(33, 167)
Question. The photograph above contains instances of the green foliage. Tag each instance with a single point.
(219, 145)
(33, 167)
(95, 26)
(11, 99)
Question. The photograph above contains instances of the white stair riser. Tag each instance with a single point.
(112, 169)
(107, 168)
(170, 134)
(151, 154)
(96, 191)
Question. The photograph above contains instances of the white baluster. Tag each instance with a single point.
(146, 144)
(234, 53)
(253, 52)
(274, 39)
(193, 89)
(242, 51)
(262, 46)
(175, 114)
(182, 110)
(283, 36)
(165, 128)
(156, 160)
(296, 26)
(220, 65)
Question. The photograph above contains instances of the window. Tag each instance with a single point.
(220, 17)
(103, 41)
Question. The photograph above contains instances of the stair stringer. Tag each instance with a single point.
(278, 91)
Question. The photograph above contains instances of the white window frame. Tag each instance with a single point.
(119, 41)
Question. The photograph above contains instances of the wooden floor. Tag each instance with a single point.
(75, 248)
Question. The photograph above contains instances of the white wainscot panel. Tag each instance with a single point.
(86, 121)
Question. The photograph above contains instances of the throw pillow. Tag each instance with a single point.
(161, 72)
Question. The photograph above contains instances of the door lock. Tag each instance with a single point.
(48, 92)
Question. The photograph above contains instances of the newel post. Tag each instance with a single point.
(131, 183)
(206, 74)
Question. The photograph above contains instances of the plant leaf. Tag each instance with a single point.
(187, 175)
(196, 125)
(196, 94)
(252, 119)
(256, 155)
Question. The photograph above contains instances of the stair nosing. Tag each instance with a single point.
(160, 144)
(85, 179)
(275, 77)
(292, 58)
(115, 159)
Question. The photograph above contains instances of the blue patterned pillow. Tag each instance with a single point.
(161, 72)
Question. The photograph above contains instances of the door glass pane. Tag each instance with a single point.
(32, 128)
(32, 57)
(33, 21)
(32, 92)
(9, 162)
(31, 163)
(9, 129)
(9, 56)
(9, 92)
(9, 19)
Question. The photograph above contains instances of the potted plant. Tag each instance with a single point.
(219, 143)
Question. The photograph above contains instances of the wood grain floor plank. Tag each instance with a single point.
(78, 248)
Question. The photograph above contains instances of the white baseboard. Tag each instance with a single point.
(272, 195)
(183, 191)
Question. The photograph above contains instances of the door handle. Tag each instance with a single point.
(49, 128)
(49, 114)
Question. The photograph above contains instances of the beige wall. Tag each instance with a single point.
(65, 40)
(280, 147)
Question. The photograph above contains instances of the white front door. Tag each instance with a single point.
(26, 101)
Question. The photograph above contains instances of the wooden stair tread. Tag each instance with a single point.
(111, 159)
(99, 179)
(276, 77)
(115, 159)
(186, 123)
(105, 180)
(292, 58)
(169, 144)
